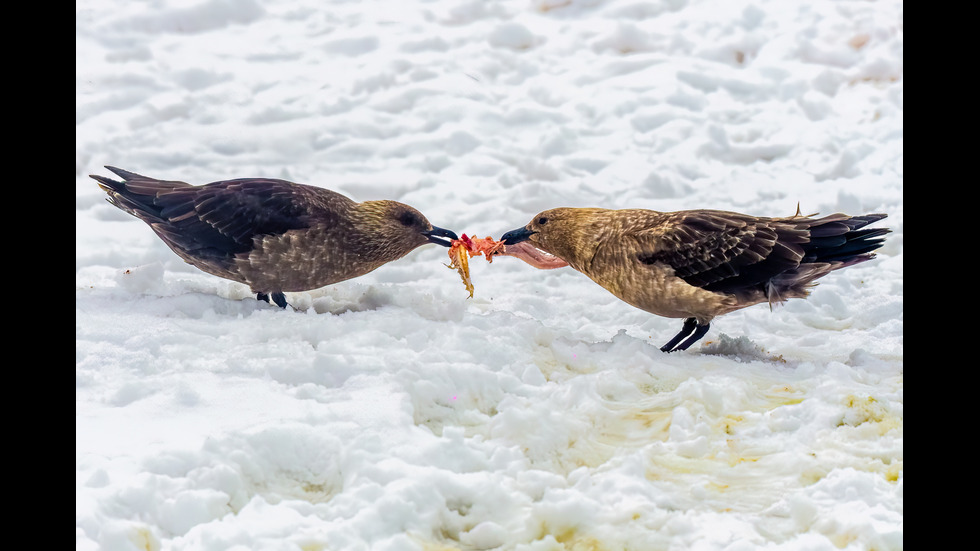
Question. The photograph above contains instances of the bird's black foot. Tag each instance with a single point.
(692, 330)
(278, 298)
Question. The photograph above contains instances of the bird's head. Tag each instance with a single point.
(569, 233)
(401, 227)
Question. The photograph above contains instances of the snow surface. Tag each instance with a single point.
(391, 412)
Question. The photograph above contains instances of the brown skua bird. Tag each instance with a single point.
(699, 264)
(272, 235)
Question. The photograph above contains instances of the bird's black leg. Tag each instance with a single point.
(279, 299)
(689, 325)
(699, 332)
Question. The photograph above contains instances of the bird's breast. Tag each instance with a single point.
(656, 289)
(303, 260)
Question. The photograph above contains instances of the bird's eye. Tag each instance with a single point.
(543, 220)
(408, 218)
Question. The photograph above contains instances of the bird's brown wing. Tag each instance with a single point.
(217, 221)
(720, 251)
(226, 216)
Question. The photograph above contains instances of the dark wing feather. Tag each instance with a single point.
(222, 218)
(227, 215)
(722, 251)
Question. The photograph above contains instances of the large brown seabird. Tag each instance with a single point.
(272, 235)
(698, 264)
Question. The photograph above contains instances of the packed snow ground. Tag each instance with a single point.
(391, 412)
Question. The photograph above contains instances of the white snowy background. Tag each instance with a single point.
(391, 412)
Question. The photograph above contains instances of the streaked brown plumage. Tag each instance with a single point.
(699, 264)
(272, 235)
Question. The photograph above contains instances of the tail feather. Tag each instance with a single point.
(833, 245)
(848, 247)
(136, 194)
(806, 250)
(125, 174)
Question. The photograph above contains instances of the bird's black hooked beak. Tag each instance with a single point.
(516, 236)
(437, 234)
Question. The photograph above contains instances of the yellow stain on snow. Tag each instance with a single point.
(545, 538)
(865, 420)
(841, 541)
(716, 486)
(635, 425)
(557, 369)
(668, 466)
(568, 538)
(894, 471)
(318, 492)
(730, 422)
(869, 410)
(436, 545)
(144, 539)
